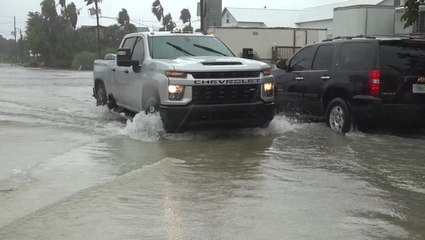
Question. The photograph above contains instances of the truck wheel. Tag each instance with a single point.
(151, 105)
(338, 116)
(101, 98)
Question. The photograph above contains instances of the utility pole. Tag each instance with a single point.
(98, 28)
(14, 33)
(22, 46)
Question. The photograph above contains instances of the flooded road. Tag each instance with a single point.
(71, 170)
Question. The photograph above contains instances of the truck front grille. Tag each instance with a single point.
(215, 75)
(226, 94)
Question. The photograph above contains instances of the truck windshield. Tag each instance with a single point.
(404, 57)
(171, 47)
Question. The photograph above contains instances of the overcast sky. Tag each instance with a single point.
(139, 10)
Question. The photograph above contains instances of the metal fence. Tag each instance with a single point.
(282, 52)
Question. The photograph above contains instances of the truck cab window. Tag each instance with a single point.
(139, 50)
(129, 43)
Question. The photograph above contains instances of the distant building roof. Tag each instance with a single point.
(290, 18)
(270, 17)
(324, 12)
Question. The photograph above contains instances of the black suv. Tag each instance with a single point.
(361, 80)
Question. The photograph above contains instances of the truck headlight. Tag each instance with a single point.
(175, 92)
(268, 89)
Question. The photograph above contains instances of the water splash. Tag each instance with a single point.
(149, 128)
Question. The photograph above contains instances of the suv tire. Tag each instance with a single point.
(338, 116)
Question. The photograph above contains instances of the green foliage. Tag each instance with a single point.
(168, 23)
(123, 18)
(187, 29)
(158, 10)
(185, 15)
(92, 1)
(8, 50)
(84, 60)
(412, 12)
(37, 38)
(71, 15)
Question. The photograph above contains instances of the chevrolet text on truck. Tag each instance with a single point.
(192, 80)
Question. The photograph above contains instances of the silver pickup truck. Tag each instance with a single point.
(193, 80)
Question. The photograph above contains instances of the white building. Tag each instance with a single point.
(314, 17)
(268, 44)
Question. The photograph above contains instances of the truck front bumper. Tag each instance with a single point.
(245, 115)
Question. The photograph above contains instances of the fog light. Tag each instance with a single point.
(175, 92)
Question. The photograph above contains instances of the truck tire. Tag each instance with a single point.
(338, 116)
(151, 105)
(101, 98)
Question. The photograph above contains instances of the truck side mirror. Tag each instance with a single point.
(124, 58)
(281, 64)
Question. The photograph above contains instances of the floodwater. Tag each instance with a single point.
(71, 170)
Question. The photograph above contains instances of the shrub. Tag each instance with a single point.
(84, 60)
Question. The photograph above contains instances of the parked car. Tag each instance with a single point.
(363, 80)
(192, 80)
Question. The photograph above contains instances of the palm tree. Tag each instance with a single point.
(158, 10)
(63, 5)
(97, 21)
(186, 17)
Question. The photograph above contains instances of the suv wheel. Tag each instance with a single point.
(338, 116)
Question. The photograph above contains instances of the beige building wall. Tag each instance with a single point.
(262, 40)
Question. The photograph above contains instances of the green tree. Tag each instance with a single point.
(158, 11)
(71, 15)
(123, 18)
(37, 38)
(51, 35)
(412, 12)
(186, 18)
(168, 23)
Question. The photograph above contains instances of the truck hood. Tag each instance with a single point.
(213, 63)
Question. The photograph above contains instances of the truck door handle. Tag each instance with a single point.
(325, 78)
(113, 69)
(299, 78)
(126, 71)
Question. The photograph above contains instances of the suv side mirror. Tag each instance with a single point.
(124, 58)
(281, 64)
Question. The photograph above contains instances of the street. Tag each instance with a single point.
(71, 170)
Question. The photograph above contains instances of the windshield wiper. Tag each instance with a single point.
(180, 49)
(209, 49)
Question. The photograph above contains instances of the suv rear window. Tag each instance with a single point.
(404, 57)
(357, 56)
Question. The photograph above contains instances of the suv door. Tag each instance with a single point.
(315, 79)
(289, 88)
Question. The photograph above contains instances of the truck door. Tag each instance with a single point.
(121, 76)
(134, 85)
(315, 79)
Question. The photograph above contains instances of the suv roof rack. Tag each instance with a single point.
(349, 38)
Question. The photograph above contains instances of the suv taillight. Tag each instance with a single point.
(374, 83)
